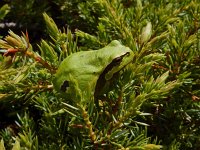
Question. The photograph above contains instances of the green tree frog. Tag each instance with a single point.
(87, 72)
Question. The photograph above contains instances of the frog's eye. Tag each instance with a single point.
(64, 86)
(118, 60)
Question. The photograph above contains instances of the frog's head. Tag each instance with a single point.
(119, 57)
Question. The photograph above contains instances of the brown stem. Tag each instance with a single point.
(40, 60)
(89, 125)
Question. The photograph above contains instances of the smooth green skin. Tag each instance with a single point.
(84, 68)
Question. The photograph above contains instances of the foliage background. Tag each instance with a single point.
(163, 34)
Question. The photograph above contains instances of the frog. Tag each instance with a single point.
(86, 73)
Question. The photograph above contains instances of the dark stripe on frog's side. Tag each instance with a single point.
(64, 86)
(101, 80)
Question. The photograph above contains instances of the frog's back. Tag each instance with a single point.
(80, 67)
